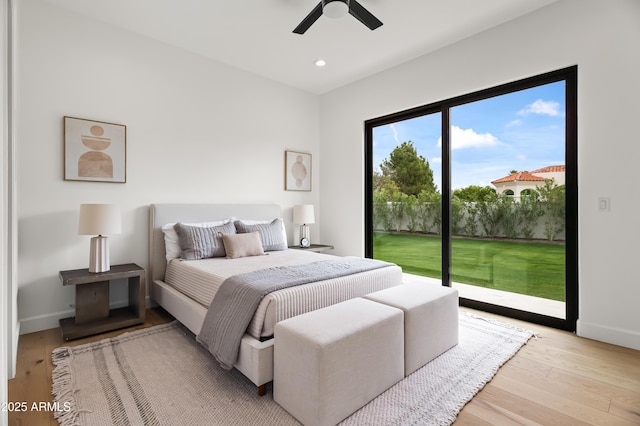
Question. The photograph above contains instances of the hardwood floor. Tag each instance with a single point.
(32, 383)
(560, 379)
(555, 379)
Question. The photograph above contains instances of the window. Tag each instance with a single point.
(481, 191)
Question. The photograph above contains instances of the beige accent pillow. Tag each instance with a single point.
(242, 245)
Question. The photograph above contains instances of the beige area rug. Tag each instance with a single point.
(161, 376)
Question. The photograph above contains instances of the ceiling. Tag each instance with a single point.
(256, 35)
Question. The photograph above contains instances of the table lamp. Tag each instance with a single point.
(99, 219)
(303, 215)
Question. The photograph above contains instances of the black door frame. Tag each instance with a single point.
(570, 76)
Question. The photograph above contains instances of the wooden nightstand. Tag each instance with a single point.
(314, 247)
(93, 315)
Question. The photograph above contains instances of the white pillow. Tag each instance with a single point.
(171, 241)
(255, 222)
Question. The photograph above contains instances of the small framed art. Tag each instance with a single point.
(297, 171)
(94, 151)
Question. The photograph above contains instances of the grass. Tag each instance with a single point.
(533, 268)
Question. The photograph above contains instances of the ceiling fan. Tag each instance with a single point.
(338, 9)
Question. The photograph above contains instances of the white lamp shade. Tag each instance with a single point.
(303, 214)
(99, 219)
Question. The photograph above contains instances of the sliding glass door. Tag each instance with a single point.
(407, 203)
(508, 200)
(480, 193)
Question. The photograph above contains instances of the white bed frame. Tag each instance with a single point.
(255, 359)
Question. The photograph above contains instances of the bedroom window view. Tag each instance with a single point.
(407, 201)
(507, 203)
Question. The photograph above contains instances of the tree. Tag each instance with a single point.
(510, 217)
(384, 184)
(397, 207)
(409, 171)
(530, 211)
(457, 214)
(553, 197)
(411, 211)
(474, 193)
(381, 211)
(430, 211)
(471, 223)
(489, 215)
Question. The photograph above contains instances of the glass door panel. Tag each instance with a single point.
(407, 198)
(508, 199)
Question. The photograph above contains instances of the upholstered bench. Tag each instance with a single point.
(331, 362)
(430, 320)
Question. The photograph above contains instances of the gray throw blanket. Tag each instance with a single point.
(238, 297)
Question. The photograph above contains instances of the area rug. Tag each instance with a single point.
(161, 376)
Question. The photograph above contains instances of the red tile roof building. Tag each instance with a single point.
(517, 182)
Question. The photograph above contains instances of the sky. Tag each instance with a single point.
(519, 131)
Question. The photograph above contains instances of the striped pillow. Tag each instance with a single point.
(202, 242)
(271, 234)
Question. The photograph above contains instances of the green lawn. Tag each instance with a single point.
(532, 268)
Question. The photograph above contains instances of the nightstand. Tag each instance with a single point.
(314, 247)
(93, 315)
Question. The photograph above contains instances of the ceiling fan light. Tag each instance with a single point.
(335, 9)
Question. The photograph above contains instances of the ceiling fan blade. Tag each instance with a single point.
(309, 20)
(363, 15)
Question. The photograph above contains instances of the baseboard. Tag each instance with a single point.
(52, 320)
(150, 303)
(615, 336)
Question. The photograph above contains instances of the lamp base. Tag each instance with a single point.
(99, 260)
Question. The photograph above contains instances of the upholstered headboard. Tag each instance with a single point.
(161, 214)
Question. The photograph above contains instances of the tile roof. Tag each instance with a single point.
(549, 169)
(530, 176)
(519, 176)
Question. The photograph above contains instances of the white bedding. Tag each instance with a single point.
(200, 279)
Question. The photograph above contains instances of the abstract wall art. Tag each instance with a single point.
(94, 151)
(297, 171)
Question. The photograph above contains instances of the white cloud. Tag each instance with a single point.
(468, 138)
(436, 160)
(550, 108)
(521, 157)
(514, 123)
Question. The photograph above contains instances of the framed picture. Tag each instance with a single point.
(94, 151)
(297, 171)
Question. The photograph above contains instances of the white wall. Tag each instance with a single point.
(9, 328)
(197, 131)
(602, 38)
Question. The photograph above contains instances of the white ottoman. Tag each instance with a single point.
(430, 320)
(331, 362)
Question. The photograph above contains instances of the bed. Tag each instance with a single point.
(255, 359)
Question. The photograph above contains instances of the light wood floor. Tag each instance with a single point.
(556, 379)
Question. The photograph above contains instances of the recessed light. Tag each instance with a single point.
(320, 63)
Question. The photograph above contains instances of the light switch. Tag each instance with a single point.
(604, 204)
